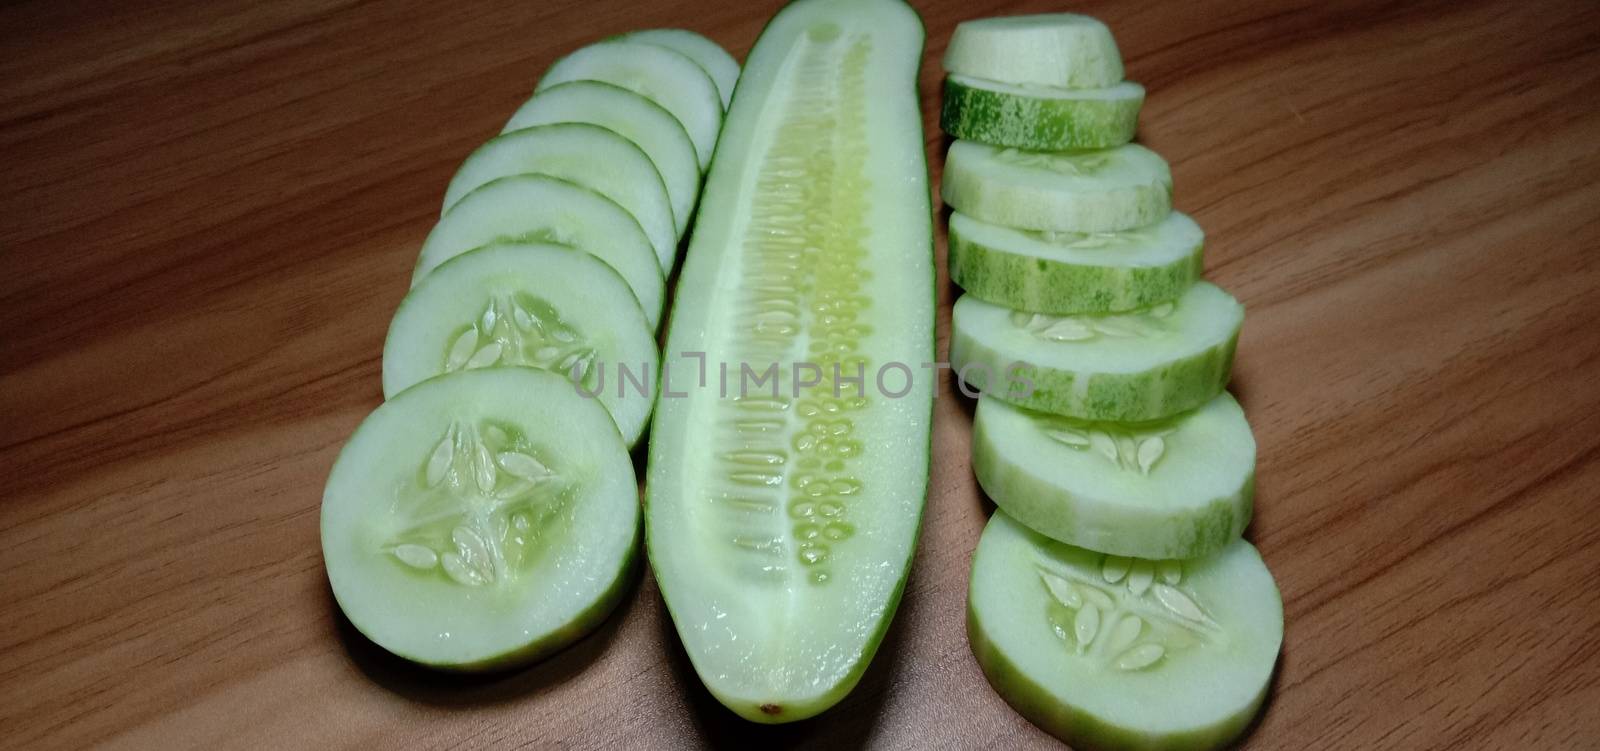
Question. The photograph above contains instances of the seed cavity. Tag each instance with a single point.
(521, 329)
(1116, 614)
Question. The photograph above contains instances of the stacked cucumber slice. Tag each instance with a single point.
(488, 512)
(1113, 601)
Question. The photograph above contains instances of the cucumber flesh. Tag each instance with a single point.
(1107, 190)
(1120, 367)
(540, 208)
(1174, 488)
(588, 155)
(1065, 50)
(531, 305)
(710, 56)
(481, 520)
(781, 528)
(1075, 272)
(1109, 652)
(668, 78)
(653, 129)
(1040, 118)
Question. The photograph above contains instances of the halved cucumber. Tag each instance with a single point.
(1040, 118)
(1107, 652)
(1087, 191)
(588, 155)
(536, 305)
(540, 208)
(781, 524)
(1075, 272)
(1122, 367)
(1174, 488)
(1052, 49)
(651, 128)
(723, 69)
(481, 519)
(668, 78)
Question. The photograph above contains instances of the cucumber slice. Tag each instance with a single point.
(588, 155)
(1122, 367)
(668, 78)
(535, 305)
(653, 129)
(710, 56)
(481, 520)
(1075, 272)
(1106, 652)
(1174, 488)
(1040, 118)
(1088, 191)
(780, 528)
(540, 208)
(1051, 49)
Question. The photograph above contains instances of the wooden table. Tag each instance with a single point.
(209, 210)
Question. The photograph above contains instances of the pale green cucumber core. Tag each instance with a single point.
(481, 520)
(1050, 49)
(781, 525)
(1105, 651)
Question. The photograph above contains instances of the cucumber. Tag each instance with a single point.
(780, 528)
(529, 304)
(588, 155)
(710, 56)
(1107, 652)
(1088, 191)
(1120, 367)
(653, 129)
(481, 520)
(1065, 50)
(1174, 488)
(1075, 272)
(670, 79)
(540, 208)
(1040, 118)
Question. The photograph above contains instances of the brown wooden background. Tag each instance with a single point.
(209, 209)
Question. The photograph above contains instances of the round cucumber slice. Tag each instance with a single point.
(1087, 191)
(540, 208)
(534, 305)
(1107, 652)
(1051, 49)
(668, 78)
(1121, 367)
(653, 129)
(588, 155)
(481, 520)
(1174, 488)
(1040, 118)
(710, 56)
(1075, 272)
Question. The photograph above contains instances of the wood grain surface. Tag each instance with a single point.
(209, 211)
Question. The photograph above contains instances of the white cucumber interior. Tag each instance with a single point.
(780, 528)
(653, 129)
(1170, 240)
(1174, 488)
(1051, 49)
(531, 305)
(1203, 318)
(709, 55)
(588, 155)
(1103, 190)
(1111, 652)
(481, 519)
(666, 77)
(540, 208)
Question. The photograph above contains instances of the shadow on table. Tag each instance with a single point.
(441, 688)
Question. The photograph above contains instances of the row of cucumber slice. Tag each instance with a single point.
(487, 513)
(1113, 601)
